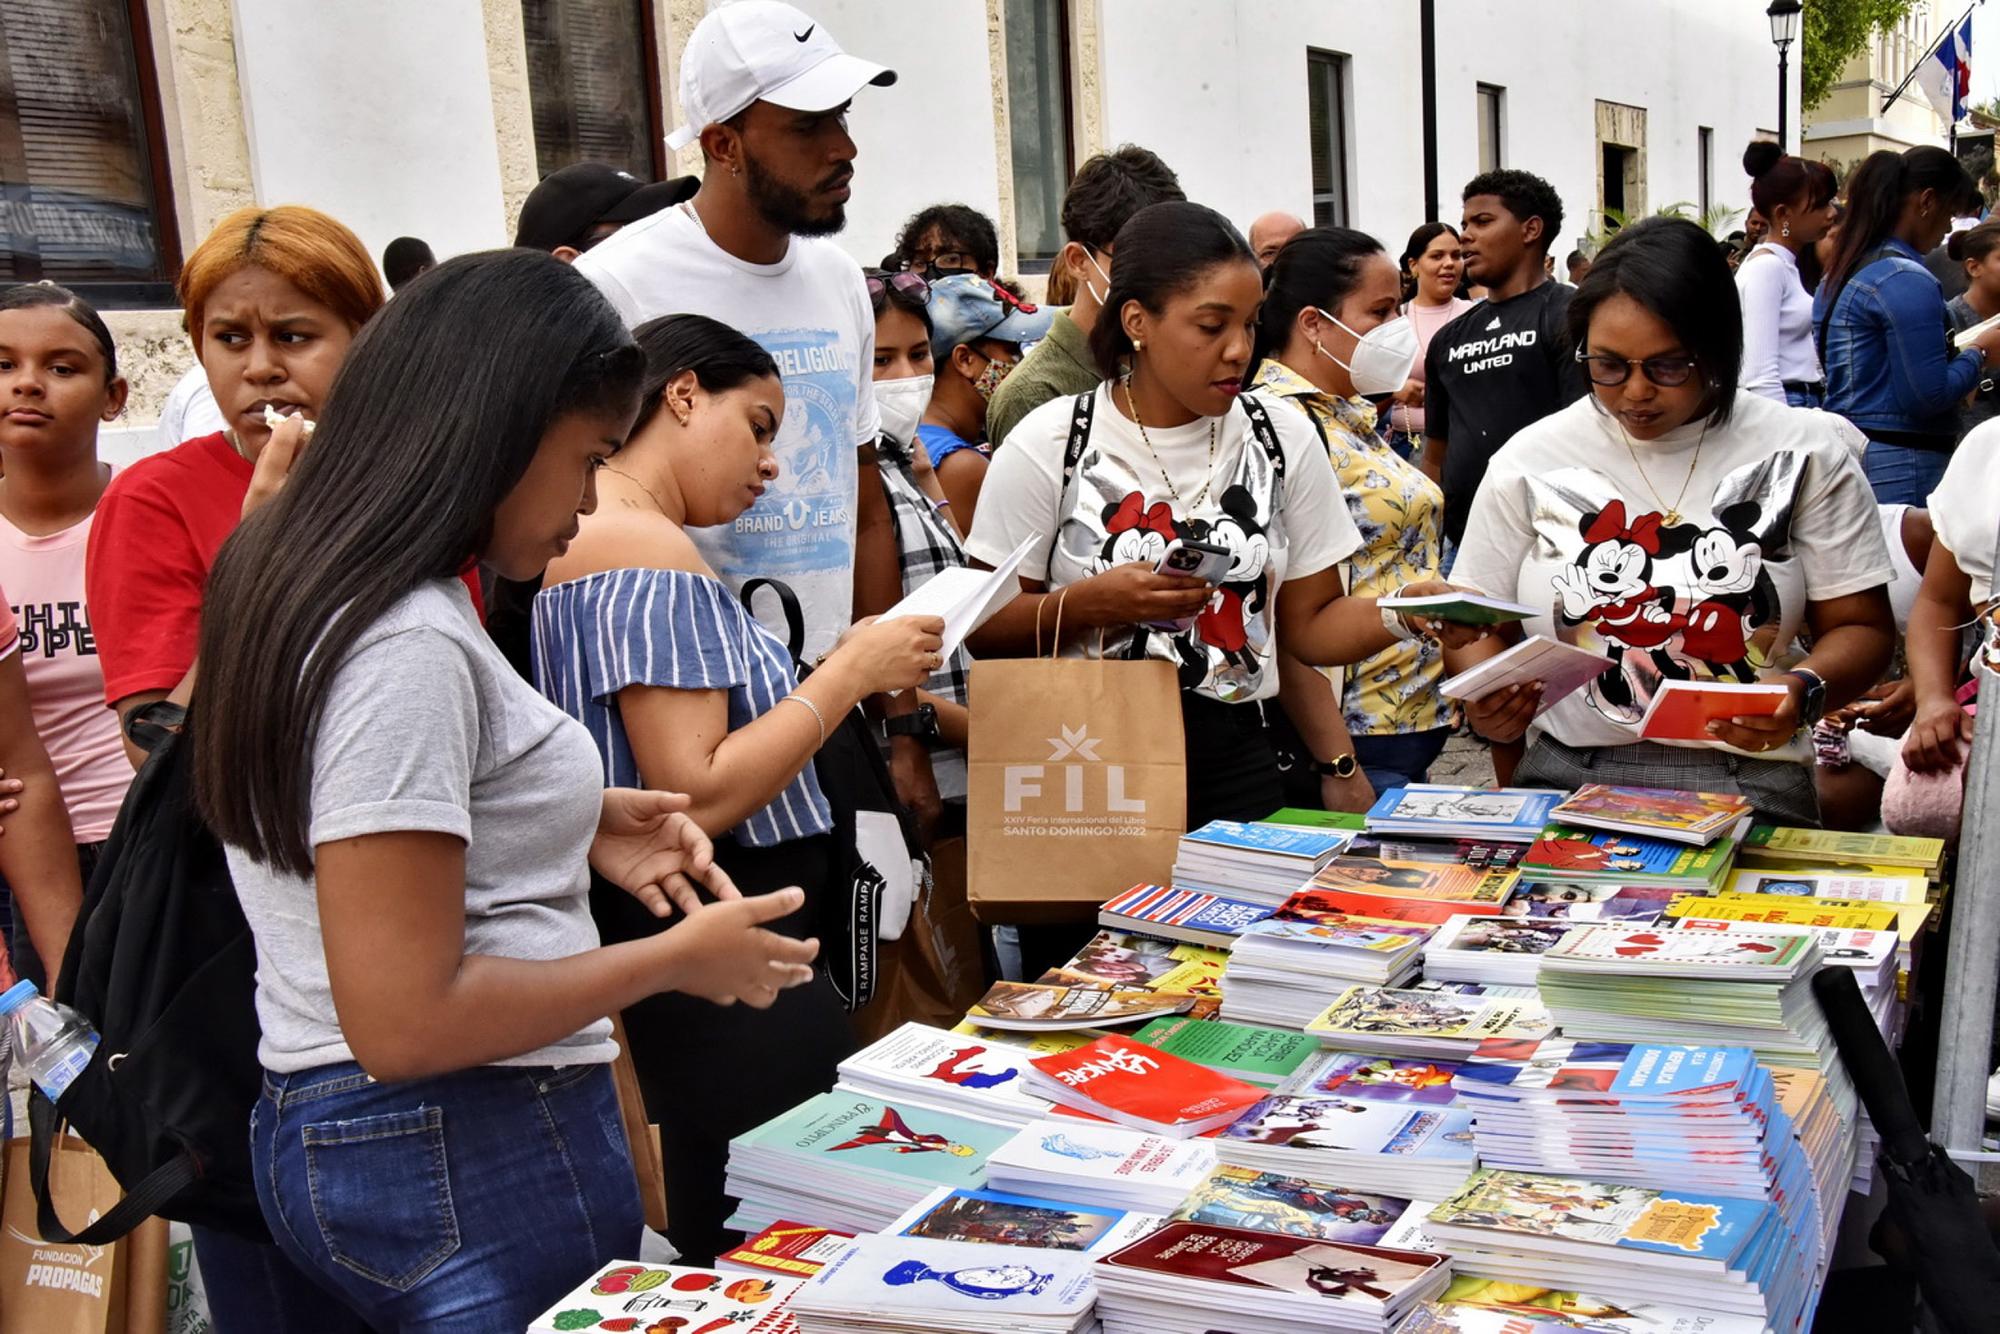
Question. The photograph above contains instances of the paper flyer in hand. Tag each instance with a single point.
(963, 597)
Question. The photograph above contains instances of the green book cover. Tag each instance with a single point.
(1249, 1051)
(850, 1133)
(1353, 821)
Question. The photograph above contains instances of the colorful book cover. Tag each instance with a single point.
(1750, 952)
(1035, 1005)
(1682, 710)
(1120, 959)
(1270, 1202)
(1590, 901)
(1864, 888)
(1303, 1266)
(1616, 1070)
(1028, 1040)
(932, 1063)
(1910, 917)
(1863, 951)
(1826, 845)
(1515, 936)
(1505, 1299)
(1788, 911)
(895, 1279)
(1304, 920)
(1392, 1012)
(1343, 1125)
(627, 1295)
(1702, 815)
(1368, 1078)
(1580, 854)
(787, 1250)
(851, 1134)
(1681, 1223)
(1283, 842)
(1142, 1082)
(1248, 1051)
(1519, 811)
(1433, 881)
(1151, 907)
(998, 1218)
(1347, 822)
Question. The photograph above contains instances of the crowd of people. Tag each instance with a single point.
(466, 595)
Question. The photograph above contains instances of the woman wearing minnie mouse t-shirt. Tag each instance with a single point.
(1685, 529)
(1170, 448)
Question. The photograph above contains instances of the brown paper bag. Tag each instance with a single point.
(51, 1289)
(1077, 784)
(642, 1138)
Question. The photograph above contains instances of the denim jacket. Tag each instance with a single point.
(1887, 352)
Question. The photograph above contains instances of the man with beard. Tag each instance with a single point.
(1509, 360)
(764, 88)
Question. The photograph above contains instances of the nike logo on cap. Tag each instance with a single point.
(801, 36)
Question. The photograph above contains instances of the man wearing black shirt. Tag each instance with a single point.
(1508, 361)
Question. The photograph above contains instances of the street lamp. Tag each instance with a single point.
(1784, 16)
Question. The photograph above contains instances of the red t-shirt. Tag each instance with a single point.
(157, 530)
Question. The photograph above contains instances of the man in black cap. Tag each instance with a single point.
(575, 208)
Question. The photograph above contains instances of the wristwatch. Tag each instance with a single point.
(923, 724)
(1340, 766)
(1814, 706)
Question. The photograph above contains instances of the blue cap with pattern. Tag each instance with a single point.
(965, 308)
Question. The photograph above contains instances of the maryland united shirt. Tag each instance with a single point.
(1775, 515)
(1495, 369)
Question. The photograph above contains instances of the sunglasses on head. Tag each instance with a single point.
(909, 284)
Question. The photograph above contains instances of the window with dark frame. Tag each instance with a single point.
(84, 194)
(594, 84)
(1492, 100)
(1705, 167)
(1040, 115)
(1326, 106)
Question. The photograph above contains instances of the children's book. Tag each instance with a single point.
(1409, 1021)
(1094, 1162)
(1683, 710)
(1496, 1206)
(1302, 1267)
(895, 1282)
(1577, 854)
(1697, 818)
(627, 1295)
(1749, 955)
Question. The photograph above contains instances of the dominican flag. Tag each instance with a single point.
(1946, 74)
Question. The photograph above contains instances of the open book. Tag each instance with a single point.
(1682, 710)
(1561, 668)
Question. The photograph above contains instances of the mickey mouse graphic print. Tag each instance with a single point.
(1710, 584)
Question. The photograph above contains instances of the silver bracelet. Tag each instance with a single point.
(818, 717)
(1393, 622)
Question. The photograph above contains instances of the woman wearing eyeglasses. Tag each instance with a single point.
(1686, 529)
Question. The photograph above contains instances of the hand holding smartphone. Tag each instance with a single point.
(1192, 559)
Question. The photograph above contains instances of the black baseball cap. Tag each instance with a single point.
(568, 203)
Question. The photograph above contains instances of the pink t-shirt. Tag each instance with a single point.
(1426, 320)
(43, 578)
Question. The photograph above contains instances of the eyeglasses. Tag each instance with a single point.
(909, 284)
(1666, 372)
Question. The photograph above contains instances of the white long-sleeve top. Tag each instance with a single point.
(1777, 322)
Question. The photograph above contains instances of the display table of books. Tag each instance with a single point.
(1481, 1060)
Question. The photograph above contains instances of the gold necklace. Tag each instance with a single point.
(1673, 511)
(1207, 482)
(616, 472)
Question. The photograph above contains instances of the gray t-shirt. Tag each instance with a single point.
(426, 727)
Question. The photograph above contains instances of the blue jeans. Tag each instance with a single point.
(1901, 475)
(465, 1202)
(1399, 759)
(1808, 398)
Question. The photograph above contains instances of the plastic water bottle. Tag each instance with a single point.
(52, 1041)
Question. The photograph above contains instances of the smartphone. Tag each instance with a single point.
(1198, 560)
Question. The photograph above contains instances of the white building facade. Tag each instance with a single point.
(434, 119)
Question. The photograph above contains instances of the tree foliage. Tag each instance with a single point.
(1833, 32)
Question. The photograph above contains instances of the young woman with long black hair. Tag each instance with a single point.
(1686, 529)
(410, 825)
(1880, 319)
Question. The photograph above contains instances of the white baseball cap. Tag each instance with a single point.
(764, 51)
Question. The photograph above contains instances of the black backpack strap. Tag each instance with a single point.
(150, 724)
(1267, 434)
(140, 1203)
(1079, 433)
(795, 617)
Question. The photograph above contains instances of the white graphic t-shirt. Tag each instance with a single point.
(810, 311)
(1710, 583)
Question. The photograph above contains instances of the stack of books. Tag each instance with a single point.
(1282, 969)
(1263, 863)
(1142, 1087)
(1295, 1206)
(1249, 1052)
(628, 1295)
(1188, 1278)
(1702, 1118)
(1694, 818)
(1573, 856)
(1002, 1218)
(1051, 1007)
(1870, 955)
(1449, 1020)
(1101, 1164)
(1436, 811)
(1411, 891)
(891, 1283)
(1783, 848)
(1189, 915)
(1394, 1148)
(851, 1163)
(1628, 1244)
(1126, 959)
(1525, 1308)
(920, 1066)
(1503, 950)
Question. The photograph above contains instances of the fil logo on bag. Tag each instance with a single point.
(1087, 784)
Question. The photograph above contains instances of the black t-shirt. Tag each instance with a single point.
(1495, 369)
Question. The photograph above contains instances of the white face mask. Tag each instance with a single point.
(1105, 295)
(900, 403)
(1383, 357)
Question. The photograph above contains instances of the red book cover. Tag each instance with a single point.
(1304, 1266)
(1127, 1080)
(1682, 710)
(1435, 912)
(795, 1250)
